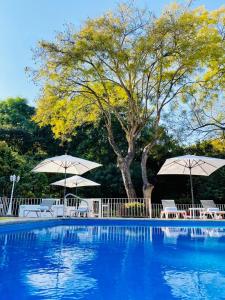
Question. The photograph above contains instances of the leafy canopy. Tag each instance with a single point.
(128, 64)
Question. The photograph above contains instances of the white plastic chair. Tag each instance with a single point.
(44, 207)
(211, 210)
(81, 210)
(170, 208)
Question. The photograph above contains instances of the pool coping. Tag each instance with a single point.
(152, 220)
(35, 223)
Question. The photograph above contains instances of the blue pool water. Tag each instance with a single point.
(112, 262)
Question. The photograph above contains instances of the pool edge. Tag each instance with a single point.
(33, 223)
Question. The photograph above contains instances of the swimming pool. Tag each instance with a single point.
(93, 260)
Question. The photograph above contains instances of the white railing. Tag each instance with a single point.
(124, 207)
(101, 207)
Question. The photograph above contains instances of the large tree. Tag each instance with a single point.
(127, 66)
(204, 111)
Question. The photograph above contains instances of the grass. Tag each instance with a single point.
(6, 219)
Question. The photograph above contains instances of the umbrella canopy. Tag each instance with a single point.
(75, 181)
(199, 165)
(65, 163)
(191, 165)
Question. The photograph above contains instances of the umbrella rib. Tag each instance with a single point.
(173, 162)
(203, 170)
(59, 165)
(78, 163)
(182, 165)
(41, 165)
(209, 164)
(199, 164)
(48, 162)
(44, 163)
(195, 163)
(185, 167)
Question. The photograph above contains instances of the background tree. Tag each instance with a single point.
(22, 145)
(204, 110)
(203, 114)
(91, 142)
(130, 67)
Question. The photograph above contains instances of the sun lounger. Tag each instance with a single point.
(81, 210)
(211, 210)
(44, 207)
(170, 209)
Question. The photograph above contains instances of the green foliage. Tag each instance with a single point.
(91, 142)
(134, 205)
(22, 145)
(129, 65)
(16, 113)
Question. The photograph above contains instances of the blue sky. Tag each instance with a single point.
(24, 22)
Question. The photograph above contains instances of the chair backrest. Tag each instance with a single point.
(208, 203)
(168, 203)
(47, 203)
(83, 204)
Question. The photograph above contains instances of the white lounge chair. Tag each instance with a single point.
(211, 210)
(44, 207)
(170, 209)
(82, 210)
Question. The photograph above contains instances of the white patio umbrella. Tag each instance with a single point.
(75, 182)
(191, 165)
(66, 164)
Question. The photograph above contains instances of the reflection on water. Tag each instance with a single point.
(62, 275)
(134, 262)
(196, 285)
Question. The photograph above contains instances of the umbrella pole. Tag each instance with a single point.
(65, 183)
(64, 198)
(192, 193)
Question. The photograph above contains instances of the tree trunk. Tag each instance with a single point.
(124, 166)
(123, 162)
(147, 186)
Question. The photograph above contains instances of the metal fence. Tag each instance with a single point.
(124, 207)
(100, 207)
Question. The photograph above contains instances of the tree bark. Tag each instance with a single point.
(147, 186)
(123, 162)
(124, 166)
